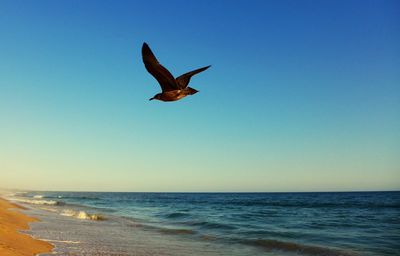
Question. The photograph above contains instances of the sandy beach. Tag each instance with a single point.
(12, 242)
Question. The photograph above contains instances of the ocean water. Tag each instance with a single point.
(331, 224)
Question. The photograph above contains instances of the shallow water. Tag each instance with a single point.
(359, 223)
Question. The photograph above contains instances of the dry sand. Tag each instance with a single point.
(13, 243)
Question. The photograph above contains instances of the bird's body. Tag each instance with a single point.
(175, 94)
(172, 89)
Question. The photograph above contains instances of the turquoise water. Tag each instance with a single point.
(354, 223)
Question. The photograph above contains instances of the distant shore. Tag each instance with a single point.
(12, 242)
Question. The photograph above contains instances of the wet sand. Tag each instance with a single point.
(12, 242)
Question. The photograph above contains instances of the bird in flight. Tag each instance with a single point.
(172, 88)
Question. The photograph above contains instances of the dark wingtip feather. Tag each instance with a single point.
(206, 67)
(145, 46)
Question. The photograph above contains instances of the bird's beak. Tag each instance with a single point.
(151, 98)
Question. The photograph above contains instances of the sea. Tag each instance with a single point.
(314, 224)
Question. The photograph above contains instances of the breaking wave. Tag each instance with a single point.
(81, 215)
(38, 202)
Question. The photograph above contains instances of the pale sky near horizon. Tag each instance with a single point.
(301, 96)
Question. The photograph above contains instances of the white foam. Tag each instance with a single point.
(62, 241)
(38, 196)
(68, 213)
(34, 201)
(81, 215)
(85, 216)
(96, 217)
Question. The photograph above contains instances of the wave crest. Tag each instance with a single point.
(38, 202)
(212, 225)
(177, 215)
(81, 215)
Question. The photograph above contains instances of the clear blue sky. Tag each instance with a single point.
(301, 96)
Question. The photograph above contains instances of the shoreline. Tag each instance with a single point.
(13, 242)
(196, 224)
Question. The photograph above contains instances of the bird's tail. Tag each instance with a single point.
(191, 91)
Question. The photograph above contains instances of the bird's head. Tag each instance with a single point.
(156, 97)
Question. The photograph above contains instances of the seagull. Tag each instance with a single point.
(172, 88)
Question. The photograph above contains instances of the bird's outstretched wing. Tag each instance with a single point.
(161, 74)
(183, 80)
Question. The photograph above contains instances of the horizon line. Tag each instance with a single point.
(209, 192)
